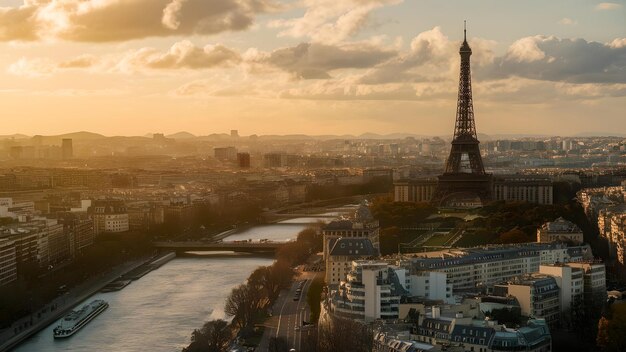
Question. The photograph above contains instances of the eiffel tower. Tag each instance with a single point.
(464, 176)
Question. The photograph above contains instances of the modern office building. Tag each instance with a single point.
(243, 160)
(273, 160)
(225, 153)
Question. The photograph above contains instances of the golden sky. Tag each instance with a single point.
(129, 67)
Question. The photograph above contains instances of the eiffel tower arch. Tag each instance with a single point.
(464, 177)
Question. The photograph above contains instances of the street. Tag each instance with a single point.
(288, 314)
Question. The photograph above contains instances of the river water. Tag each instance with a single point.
(159, 311)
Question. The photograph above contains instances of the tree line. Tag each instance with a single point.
(248, 303)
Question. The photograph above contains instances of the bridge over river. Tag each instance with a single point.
(227, 246)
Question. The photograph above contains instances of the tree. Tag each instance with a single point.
(513, 236)
(507, 316)
(279, 276)
(340, 334)
(611, 329)
(214, 336)
(218, 334)
(313, 298)
(389, 240)
(313, 237)
(241, 305)
(602, 340)
(278, 344)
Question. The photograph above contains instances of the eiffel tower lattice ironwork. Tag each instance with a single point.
(464, 172)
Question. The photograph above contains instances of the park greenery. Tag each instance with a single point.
(496, 223)
(314, 296)
(248, 304)
(329, 191)
(612, 329)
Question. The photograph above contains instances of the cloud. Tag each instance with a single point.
(525, 50)
(330, 21)
(618, 43)
(182, 55)
(567, 21)
(120, 20)
(563, 60)
(315, 60)
(432, 57)
(82, 61)
(32, 67)
(18, 23)
(607, 6)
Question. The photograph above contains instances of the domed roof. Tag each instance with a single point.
(363, 213)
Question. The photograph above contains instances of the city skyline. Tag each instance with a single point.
(311, 67)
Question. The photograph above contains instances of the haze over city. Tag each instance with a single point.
(312, 175)
(309, 67)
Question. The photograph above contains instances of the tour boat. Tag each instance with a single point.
(75, 320)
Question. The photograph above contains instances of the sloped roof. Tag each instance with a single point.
(358, 247)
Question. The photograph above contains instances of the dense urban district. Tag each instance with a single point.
(519, 273)
(442, 245)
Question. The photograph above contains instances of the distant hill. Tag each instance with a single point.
(181, 135)
(599, 134)
(75, 136)
(78, 136)
(184, 135)
(14, 136)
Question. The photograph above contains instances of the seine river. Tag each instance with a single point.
(159, 311)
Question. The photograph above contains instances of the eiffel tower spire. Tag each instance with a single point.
(465, 153)
(464, 178)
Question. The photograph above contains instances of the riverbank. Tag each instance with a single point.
(28, 326)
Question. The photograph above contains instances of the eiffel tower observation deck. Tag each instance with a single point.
(464, 182)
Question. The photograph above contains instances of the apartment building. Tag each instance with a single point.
(343, 251)
(109, 216)
(538, 296)
(370, 291)
(559, 230)
(459, 332)
(571, 285)
(8, 262)
(480, 267)
(361, 225)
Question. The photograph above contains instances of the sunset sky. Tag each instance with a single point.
(129, 67)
